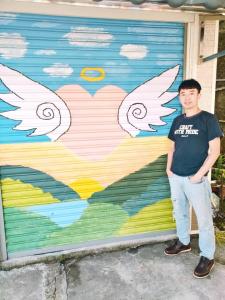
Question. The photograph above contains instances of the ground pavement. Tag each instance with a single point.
(142, 273)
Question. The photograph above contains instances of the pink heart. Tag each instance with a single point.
(94, 131)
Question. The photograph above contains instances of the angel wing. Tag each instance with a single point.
(143, 107)
(38, 107)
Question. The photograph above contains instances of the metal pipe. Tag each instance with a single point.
(216, 55)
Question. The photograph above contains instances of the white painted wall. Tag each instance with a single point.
(206, 72)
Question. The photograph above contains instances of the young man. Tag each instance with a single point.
(195, 137)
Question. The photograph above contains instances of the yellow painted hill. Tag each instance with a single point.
(153, 217)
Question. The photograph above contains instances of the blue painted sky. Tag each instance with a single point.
(53, 51)
(53, 211)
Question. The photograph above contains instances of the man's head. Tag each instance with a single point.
(189, 93)
(190, 84)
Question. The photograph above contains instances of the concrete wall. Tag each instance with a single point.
(206, 72)
(213, 100)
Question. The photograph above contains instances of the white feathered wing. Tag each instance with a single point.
(143, 107)
(38, 107)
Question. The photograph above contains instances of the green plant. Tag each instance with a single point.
(218, 174)
(220, 237)
(218, 170)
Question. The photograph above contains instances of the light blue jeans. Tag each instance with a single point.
(184, 192)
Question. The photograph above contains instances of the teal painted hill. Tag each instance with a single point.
(41, 180)
(137, 190)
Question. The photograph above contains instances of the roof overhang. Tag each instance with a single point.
(191, 5)
(194, 5)
(208, 4)
(131, 5)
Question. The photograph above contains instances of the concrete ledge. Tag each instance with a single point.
(82, 252)
(140, 272)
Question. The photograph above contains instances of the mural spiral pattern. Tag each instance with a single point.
(48, 111)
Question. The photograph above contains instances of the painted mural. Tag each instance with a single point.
(85, 108)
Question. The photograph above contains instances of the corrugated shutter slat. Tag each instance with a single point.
(86, 108)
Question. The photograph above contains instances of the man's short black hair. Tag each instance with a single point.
(190, 84)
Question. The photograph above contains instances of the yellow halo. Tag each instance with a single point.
(100, 77)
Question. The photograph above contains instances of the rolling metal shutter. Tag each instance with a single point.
(85, 108)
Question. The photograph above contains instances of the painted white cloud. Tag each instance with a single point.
(89, 37)
(132, 51)
(12, 45)
(59, 70)
(6, 18)
(45, 52)
(44, 24)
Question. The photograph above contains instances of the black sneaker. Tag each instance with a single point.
(177, 248)
(204, 267)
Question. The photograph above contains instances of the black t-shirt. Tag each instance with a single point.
(191, 136)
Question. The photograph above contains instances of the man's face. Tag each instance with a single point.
(189, 98)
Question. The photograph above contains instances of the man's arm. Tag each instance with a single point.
(214, 152)
(170, 159)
